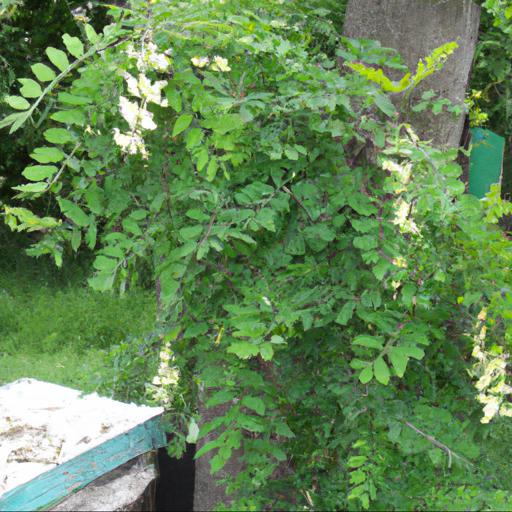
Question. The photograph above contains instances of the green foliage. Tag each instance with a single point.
(432, 63)
(27, 27)
(130, 365)
(319, 270)
(501, 11)
(47, 320)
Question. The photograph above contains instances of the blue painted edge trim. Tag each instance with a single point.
(73, 475)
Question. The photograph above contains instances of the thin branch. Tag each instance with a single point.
(297, 200)
(208, 230)
(439, 445)
(63, 166)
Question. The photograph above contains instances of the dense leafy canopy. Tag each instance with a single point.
(319, 269)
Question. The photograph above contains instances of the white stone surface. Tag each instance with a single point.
(43, 424)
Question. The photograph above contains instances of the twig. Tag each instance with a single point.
(297, 200)
(264, 203)
(63, 166)
(439, 445)
(356, 155)
(208, 230)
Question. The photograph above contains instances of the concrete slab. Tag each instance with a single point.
(54, 440)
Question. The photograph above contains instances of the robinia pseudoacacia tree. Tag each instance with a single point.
(320, 273)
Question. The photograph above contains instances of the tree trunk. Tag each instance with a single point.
(414, 28)
(207, 492)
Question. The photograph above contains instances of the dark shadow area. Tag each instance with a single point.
(175, 487)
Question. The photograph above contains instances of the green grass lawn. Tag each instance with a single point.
(76, 370)
(53, 327)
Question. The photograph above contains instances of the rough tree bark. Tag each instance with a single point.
(414, 28)
(207, 491)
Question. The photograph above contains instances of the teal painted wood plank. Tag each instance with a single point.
(73, 475)
(486, 161)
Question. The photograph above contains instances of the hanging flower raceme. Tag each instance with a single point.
(138, 117)
(491, 371)
(165, 382)
(149, 58)
(142, 88)
(131, 143)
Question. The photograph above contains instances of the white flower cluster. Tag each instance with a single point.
(403, 219)
(135, 113)
(164, 383)
(491, 371)
(149, 58)
(219, 63)
(401, 177)
(142, 87)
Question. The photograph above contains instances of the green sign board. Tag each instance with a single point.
(486, 161)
